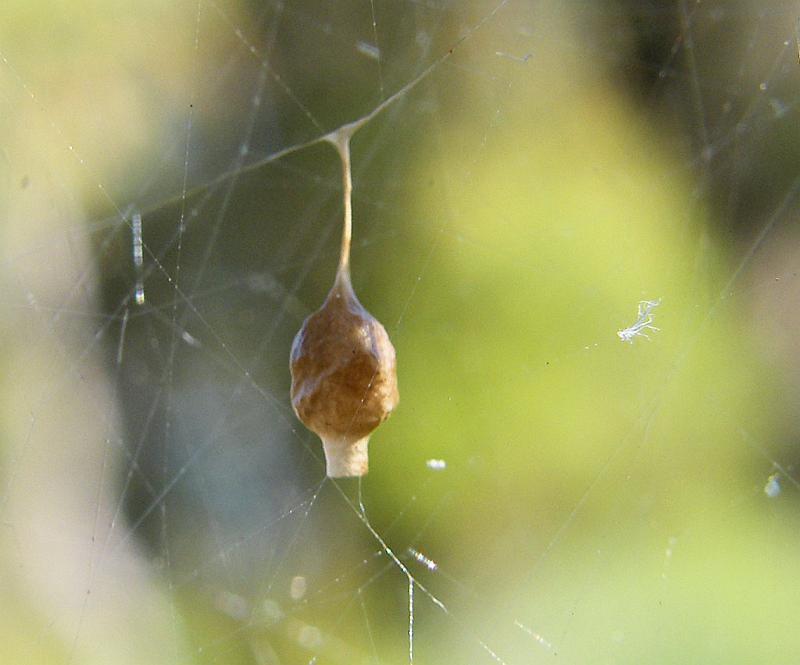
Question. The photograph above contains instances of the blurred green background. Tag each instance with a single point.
(602, 502)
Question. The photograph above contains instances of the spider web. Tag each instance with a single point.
(525, 176)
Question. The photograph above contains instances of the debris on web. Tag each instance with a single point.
(138, 257)
(773, 487)
(644, 321)
(420, 558)
(369, 50)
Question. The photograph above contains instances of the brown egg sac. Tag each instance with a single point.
(344, 378)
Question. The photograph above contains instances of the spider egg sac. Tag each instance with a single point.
(344, 378)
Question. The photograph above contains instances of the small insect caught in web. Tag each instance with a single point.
(644, 321)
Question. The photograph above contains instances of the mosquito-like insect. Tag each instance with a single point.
(644, 321)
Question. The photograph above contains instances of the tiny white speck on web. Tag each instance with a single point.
(369, 50)
(773, 487)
